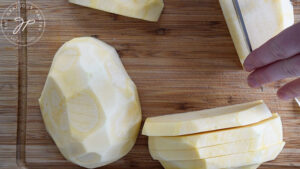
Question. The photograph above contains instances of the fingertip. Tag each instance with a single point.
(249, 63)
(284, 95)
(248, 67)
(252, 82)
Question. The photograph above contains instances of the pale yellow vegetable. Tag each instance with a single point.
(263, 19)
(230, 161)
(242, 167)
(242, 146)
(206, 120)
(255, 166)
(149, 10)
(206, 139)
(89, 104)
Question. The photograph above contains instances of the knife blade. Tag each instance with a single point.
(243, 26)
(242, 23)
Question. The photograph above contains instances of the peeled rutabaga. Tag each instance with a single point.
(149, 10)
(263, 19)
(206, 120)
(89, 104)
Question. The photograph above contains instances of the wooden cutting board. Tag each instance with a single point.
(184, 62)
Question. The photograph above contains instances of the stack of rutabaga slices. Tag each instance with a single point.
(240, 137)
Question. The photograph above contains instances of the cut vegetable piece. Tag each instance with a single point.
(206, 120)
(89, 104)
(149, 10)
(255, 166)
(253, 131)
(242, 167)
(230, 161)
(263, 19)
(242, 146)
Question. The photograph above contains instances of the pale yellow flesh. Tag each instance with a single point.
(230, 161)
(264, 19)
(206, 120)
(89, 104)
(255, 166)
(200, 140)
(261, 142)
(149, 10)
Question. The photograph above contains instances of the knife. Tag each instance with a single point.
(243, 26)
(245, 32)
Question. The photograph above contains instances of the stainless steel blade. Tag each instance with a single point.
(243, 26)
(242, 23)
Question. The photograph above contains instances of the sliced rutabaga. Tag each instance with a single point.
(149, 10)
(207, 139)
(255, 166)
(261, 142)
(89, 104)
(263, 20)
(230, 161)
(206, 120)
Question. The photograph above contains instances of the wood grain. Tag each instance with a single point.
(184, 62)
(8, 98)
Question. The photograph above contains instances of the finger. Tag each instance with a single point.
(290, 90)
(279, 70)
(282, 46)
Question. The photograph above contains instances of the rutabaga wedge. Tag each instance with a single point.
(261, 142)
(149, 10)
(89, 103)
(230, 161)
(206, 139)
(263, 20)
(255, 166)
(206, 120)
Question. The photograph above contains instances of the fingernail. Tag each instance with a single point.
(252, 82)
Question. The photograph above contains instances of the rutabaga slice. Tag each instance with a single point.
(261, 142)
(89, 104)
(206, 120)
(207, 139)
(263, 19)
(255, 166)
(149, 10)
(230, 161)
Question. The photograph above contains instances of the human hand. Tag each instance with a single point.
(277, 59)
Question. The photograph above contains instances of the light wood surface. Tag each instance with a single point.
(8, 98)
(184, 62)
